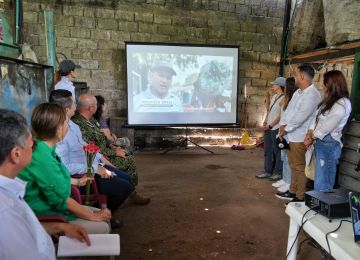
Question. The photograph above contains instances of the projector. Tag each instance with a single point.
(330, 203)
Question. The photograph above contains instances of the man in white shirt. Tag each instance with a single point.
(294, 124)
(22, 235)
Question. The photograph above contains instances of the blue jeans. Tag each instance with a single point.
(117, 189)
(272, 155)
(327, 153)
(286, 167)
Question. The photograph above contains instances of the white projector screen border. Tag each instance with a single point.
(203, 88)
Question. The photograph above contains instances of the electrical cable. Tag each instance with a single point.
(301, 226)
(306, 239)
(328, 233)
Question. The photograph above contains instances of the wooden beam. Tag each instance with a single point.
(50, 38)
(343, 53)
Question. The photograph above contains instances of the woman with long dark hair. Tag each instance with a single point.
(100, 117)
(326, 129)
(284, 184)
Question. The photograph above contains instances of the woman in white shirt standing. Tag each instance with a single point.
(326, 129)
(64, 76)
(272, 156)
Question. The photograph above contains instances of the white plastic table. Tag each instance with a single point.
(341, 242)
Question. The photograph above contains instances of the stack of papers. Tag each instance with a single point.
(101, 245)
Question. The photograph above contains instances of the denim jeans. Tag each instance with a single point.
(272, 155)
(117, 188)
(327, 153)
(286, 167)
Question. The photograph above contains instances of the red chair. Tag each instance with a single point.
(95, 197)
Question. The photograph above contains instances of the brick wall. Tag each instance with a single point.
(93, 33)
(346, 69)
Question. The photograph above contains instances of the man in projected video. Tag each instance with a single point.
(157, 98)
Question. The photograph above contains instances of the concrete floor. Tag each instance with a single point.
(205, 207)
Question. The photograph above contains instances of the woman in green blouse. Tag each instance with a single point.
(48, 181)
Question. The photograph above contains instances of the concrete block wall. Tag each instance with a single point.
(93, 34)
(346, 69)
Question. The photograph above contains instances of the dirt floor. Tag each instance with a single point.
(205, 206)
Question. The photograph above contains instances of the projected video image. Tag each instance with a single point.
(167, 81)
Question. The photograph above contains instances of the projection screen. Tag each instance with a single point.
(169, 84)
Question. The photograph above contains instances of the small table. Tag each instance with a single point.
(341, 242)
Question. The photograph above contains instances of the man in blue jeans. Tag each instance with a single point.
(110, 180)
(272, 155)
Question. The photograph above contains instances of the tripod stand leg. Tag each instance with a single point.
(176, 145)
(202, 147)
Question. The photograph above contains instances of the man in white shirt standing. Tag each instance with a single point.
(22, 236)
(272, 154)
(294, 124)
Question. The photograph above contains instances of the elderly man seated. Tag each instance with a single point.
(118, 157)
(22, 236)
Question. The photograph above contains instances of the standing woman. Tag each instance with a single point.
(283, 185)
(272, 156)
(64, 76)
(48, 180)
(326, 129)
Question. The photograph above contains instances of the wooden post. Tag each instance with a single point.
(50, 38)
(355, 90)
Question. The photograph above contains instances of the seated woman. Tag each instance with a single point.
(48, 180)
(99, 116)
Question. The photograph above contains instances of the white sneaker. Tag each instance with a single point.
(284, 188)
(279, 183)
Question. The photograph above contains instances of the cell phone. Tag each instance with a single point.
(354, 200)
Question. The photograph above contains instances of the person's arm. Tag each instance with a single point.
(70, 230)
(108, 134)
(274, 122)
(85, 213)
(302, 112)
(106, 161)
(52, 179)
(267, 101)
(330, 122)
(62, 150)
(81, 181)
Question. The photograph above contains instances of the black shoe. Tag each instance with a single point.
(116, 223)
(285, 195)
(280, 193)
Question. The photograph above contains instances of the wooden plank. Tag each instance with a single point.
(353, 128)
(349, 183)
(347, 168)
(350, 156)
(351, 142)
(50, 37)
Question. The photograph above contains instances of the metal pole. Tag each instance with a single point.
(285, 35)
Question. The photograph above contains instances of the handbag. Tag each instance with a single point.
(281, 143)
(310, 163)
